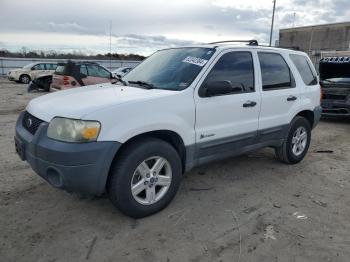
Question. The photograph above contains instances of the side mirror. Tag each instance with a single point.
(82, 75)
(217, 88)
(115, 76)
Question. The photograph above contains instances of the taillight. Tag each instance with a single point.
(66, 80)
(321, 93)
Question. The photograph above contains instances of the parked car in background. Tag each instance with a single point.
(29, 72)
(122, 71)
(74, 74)
(178, 109)
(335, 84)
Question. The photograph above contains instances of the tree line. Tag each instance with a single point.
(26, 53)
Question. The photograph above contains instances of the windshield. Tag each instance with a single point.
(29, 66)
(171, 69)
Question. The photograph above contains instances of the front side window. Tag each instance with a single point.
(171, 69)
(97, 71)
(304, 69)
(235, 69)
(39, 67)
(275, 72)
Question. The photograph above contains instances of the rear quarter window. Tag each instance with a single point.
(304, 69)
(60, 70)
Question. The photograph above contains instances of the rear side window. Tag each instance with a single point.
(236, 68)
(304, 69)
(275, 72)
(60, 70)
(97, 71)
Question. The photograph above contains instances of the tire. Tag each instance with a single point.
(129, 170)
(24, 79)
(290, 152)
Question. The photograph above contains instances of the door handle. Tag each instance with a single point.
(249, 104)
(291, 98)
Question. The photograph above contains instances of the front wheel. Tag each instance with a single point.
(295, 147)
(25, 79)
(145, 178)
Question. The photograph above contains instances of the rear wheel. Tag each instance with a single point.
(25, 79)
(295, 147)
(145, 178)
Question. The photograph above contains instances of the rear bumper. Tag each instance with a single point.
(335, 108)
(76, 167)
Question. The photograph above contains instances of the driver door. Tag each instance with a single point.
(228, 122)
(96, 75)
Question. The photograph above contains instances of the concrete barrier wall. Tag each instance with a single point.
(8, 63)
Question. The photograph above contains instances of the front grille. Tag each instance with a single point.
(31, 123)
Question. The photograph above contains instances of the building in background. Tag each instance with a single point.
(319, 40)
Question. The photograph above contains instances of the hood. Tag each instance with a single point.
(78, 102)
(334, 70)
(16, 70)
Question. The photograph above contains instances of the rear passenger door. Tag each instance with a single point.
(227, 122)
(50, 68)
(279, 98)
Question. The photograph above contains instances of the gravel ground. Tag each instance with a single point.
(248, 208)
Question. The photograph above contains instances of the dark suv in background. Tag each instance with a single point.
(75, 74)
(335, 84)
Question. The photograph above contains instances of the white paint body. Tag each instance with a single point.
(125, 112)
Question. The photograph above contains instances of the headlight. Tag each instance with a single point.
(72, 130)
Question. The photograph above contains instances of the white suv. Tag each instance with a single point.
(180, 108)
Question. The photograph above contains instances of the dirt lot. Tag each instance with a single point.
(250, 208)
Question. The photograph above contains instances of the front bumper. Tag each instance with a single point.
(335, 108)
(75, 167)
(11, 78)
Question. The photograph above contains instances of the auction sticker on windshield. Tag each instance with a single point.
(195, 60)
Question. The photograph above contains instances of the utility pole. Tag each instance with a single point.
(273, 19)
(110, 45)
(294, 19)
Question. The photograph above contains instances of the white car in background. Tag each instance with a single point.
(122, 71)
(31, 71)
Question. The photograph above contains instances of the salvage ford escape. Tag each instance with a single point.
(179, 108)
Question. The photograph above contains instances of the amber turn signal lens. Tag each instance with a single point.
(90, 133)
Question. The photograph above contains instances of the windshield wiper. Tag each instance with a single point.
(143, 84)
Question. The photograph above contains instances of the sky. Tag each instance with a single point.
(142, 27)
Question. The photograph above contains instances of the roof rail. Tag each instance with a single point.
(250, 42)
